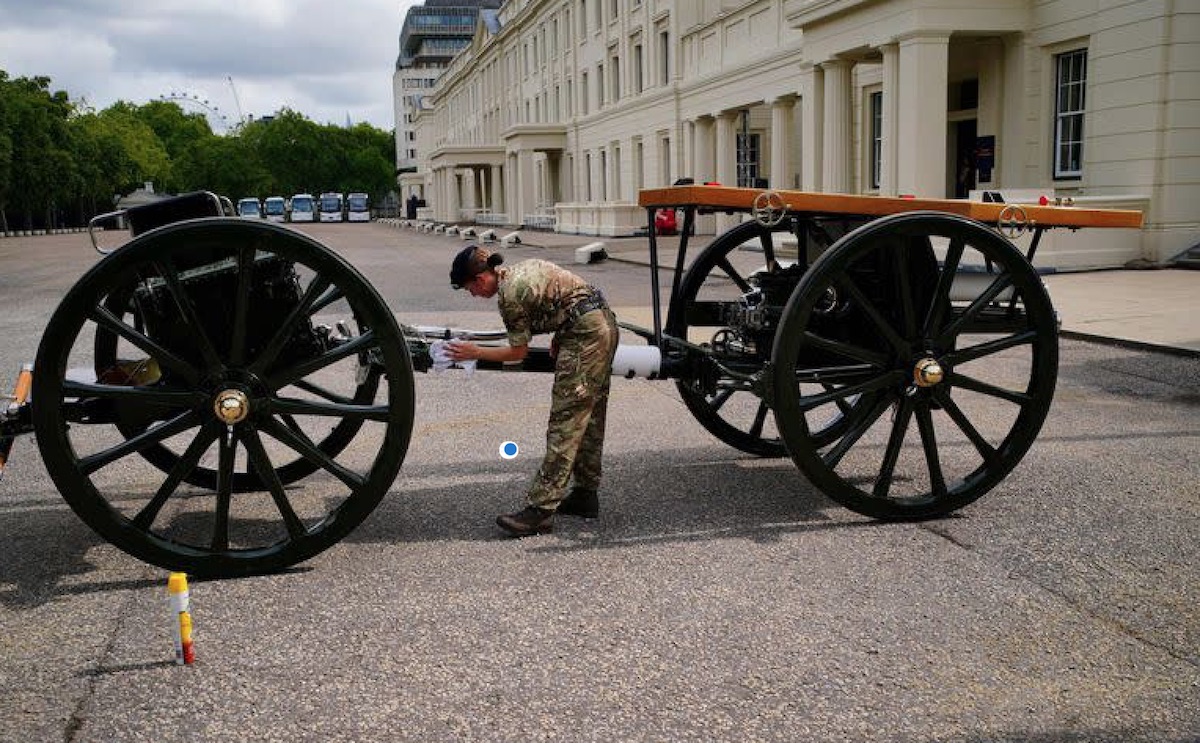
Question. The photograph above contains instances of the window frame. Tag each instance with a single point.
(1070, 107)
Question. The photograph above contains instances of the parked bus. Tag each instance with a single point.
(358, 208)
(303, 208)
(275, 208)
(249, 208)
(330, 207)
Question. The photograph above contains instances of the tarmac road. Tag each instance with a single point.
(718, 598)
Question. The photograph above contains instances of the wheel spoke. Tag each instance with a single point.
(719, 399)
(187, 312)
(937, 482)
(724, 264)
(971, 353)
(180, 423)
(149, 396)
(361, 343)
(851, 437)
(844, 348)
(891, 454)
(258, 455)
(760, 417)
(166, 359)
(226, 452)
(941, 295)
(829, 376)
(332, 295)
(901, 267)
(184, 467)
(958, 379)
(985, 449)
(320, 391)
(293, 406)
(999, 284)
(271, 351)
(241, 306)
(881, 382)
(768, 247)
(305, 448)
(879, 321)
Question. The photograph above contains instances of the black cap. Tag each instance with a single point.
(470, 262)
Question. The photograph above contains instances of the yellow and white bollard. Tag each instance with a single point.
(177, 588)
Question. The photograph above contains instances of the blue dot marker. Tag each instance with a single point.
(509, 450)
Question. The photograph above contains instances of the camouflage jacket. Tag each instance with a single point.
(535, 296)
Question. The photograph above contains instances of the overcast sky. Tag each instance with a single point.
(326, 59)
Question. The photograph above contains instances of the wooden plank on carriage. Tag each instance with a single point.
(809, 202)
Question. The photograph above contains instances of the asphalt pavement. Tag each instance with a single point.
(719, 596)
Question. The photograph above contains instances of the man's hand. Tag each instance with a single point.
(467, 351)
(462, 350)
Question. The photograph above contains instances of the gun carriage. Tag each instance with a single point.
(904, 356)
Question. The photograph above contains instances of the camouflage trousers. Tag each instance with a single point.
(579, 405)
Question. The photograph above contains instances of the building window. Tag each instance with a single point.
(583, 93)
(583, 17)
(616, 79)
(616, 179)
(664, 62)
(587, 176)
(1069, 87)
(664, 161)
(747, 159)
(637, 68)
(876, 155)
(603, 175)
(639, 166)
(600, 85)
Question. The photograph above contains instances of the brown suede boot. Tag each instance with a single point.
(527, 522)
(581, 502)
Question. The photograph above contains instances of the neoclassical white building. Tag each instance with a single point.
(558, 116)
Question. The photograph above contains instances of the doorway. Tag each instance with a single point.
(964, 173)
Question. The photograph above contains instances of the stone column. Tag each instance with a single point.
(891, 110)
(498, 189)
(453, 202)
(812, 125)
(991, 101)
(781, 141)
(470, 198)
(726, 147)
(924, 75)
(836, 173)
(726, 154)
(705, 167)
(526, 195)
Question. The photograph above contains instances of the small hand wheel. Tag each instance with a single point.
(769, 209)
(1012, 221)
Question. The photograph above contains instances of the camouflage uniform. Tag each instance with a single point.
(536, 296)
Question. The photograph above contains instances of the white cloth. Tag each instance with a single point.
(439, 351)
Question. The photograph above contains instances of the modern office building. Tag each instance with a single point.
(430, 37)
(559, 112)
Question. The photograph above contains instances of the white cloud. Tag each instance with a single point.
(325, 60)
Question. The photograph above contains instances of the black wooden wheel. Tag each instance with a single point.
(192, 365)
(337, 433)
(950, 330)
(711, 309)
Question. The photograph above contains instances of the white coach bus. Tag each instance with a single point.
(329, 207)
(358, 208)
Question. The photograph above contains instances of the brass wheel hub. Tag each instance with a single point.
(231, 406)
(928, 372)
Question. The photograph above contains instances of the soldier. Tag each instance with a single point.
(536, 296)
